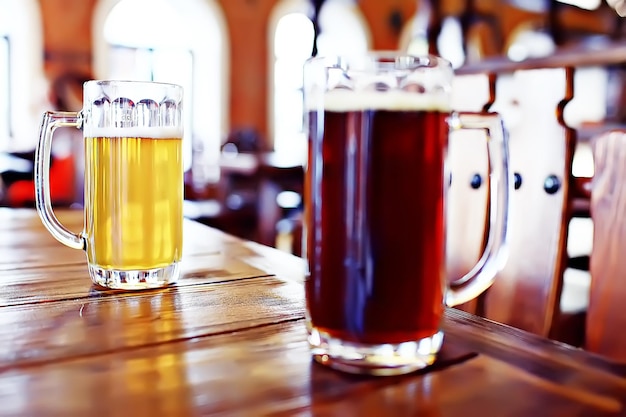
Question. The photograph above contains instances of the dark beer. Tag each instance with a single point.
(375, 238)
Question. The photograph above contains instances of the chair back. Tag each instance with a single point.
(606, 315)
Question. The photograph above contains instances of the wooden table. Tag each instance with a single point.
(229, 339)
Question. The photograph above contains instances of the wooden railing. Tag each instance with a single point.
(568, 57)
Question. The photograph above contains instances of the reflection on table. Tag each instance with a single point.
(230, 339)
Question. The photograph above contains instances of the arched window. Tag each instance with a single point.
(291, 43)
(342, 30)
(178, 41)
(23, 88)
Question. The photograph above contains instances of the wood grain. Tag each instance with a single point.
(606, 317)
(527, 291)
(565, 57)
(101, 322)
(268, 371)
(230, 339)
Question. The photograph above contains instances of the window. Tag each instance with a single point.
(293, 42)
(23, 87)
(5, 89)
(342, 30)
(155, 64)
(177, 41)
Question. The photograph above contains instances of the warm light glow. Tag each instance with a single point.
(541, 6)
(413, 39)
(342, 30)
(152, 40)
(530, 44)
(293, 37)
(450, 42)
(293, 44)
(146, 23)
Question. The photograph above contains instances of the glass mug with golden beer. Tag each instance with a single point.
(375, 193)
(133, 200)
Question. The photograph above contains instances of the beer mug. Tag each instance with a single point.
(133, 195)
(374, 222)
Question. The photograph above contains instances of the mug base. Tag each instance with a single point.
(138, 279)
(367, 359)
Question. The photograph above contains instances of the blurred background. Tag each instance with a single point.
(240, 62)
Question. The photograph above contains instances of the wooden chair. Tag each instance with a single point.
(527, 292)
(539, 289)
(606, 317)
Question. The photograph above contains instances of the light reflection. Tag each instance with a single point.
(530, 44)
(583, 4)
(293, 40)
(14, 391)
(140, 32)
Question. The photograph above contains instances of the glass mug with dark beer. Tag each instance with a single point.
(375, 192)
(133, 200)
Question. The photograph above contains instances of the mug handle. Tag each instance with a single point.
(495, 253)
(50, 122)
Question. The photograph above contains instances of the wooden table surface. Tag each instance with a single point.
(229, 339)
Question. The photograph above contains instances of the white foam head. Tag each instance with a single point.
(396, 100)
(155, 132)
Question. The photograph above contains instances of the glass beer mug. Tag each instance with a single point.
(375, 192)
(133, 198)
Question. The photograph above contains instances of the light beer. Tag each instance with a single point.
(134, 198)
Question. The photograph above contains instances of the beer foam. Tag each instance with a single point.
(396, 100)
(156, 132)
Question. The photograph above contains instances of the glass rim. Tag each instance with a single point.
(381, 57)
(134, 90)
(110, 82)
